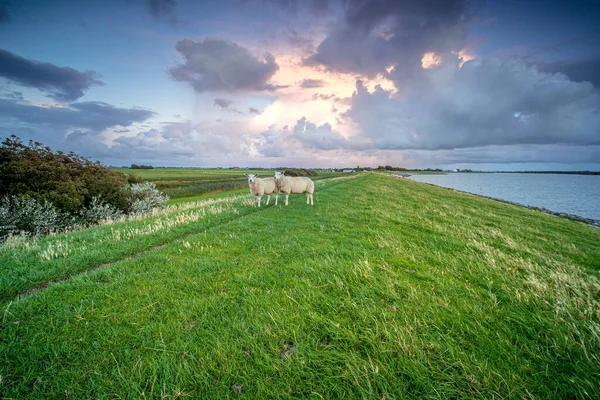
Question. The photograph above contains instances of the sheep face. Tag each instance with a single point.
(278, 175)
(251, 177)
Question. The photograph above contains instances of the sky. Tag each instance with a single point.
(478, 84)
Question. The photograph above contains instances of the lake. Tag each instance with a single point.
(573, 194)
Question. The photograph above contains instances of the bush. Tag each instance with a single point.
(300, 172)
(144, 197)
(135, 166)
(26, 215)
(97, 212)
(42, 191)
(68, 181)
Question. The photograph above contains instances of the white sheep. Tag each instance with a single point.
(259, 187)
(298, 184)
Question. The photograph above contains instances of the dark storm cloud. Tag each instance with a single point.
(376, 34)
(163, 9)
(61, 83)
(312, 83)
(579, 70)
(95, 116)
(221, 65)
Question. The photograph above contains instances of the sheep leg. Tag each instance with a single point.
(311, 200)
(286, 199)
(258, 200)
(307, 198)
(268, 198)
(276, 197)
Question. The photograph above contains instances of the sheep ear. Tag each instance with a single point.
(256, 175)
(246, 174)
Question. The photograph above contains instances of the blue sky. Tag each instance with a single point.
(495, 85)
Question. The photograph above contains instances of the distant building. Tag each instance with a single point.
(348, 170)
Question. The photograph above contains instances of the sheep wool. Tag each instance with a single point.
(295, 185)
(259, 187)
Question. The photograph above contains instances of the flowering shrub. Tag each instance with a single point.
(144, 197)
(97, 212)
(26, 215)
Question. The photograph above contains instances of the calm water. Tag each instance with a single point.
(573, 194)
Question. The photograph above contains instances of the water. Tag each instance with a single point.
(573, 194)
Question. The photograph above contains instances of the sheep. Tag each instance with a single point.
(299, 184)
(258, 187)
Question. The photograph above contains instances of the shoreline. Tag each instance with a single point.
(590, 221)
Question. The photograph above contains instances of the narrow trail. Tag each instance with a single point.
(130, 257)
(137, 254)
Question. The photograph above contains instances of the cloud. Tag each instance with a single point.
(225, 105)
(163, 9)
(14, 95)
(312, 83)
(90, 115)
(275, 142)
(223, 66)
(487, 102)
(314, 7)
(186, 142)
(322, 96)
(521, 154)
(578, 70)
(61, 83)
(253, 110)
(317, 137)
(304, 44)
(305, 135)
(375, 35)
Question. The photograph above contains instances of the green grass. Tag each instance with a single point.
(386, 288)
(188, 182)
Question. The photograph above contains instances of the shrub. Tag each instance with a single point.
(98, 211)
(25, 215)
(300, 172)
(144, 197)
(135, 166)
(42, 191)
(68, 181)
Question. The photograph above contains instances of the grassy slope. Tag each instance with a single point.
(385, 287)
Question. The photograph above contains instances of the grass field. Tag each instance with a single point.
(187, 182)
(385, 289)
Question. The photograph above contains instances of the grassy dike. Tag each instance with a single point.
(386, 288)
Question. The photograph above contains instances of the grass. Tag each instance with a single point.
(188, 182)
(386, 288)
